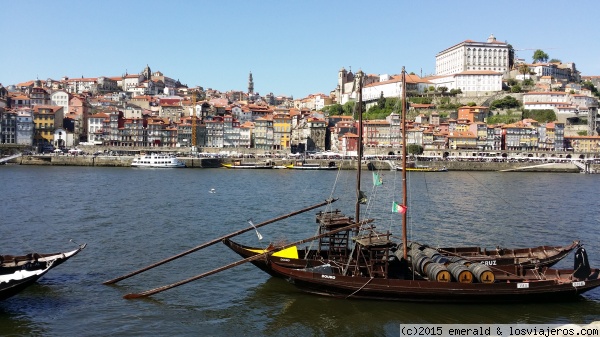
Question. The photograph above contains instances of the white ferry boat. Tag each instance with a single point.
(157, 161)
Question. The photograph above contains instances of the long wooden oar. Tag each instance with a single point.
(231, 265)
(209, 243)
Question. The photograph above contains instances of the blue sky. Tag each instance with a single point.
(291, 47)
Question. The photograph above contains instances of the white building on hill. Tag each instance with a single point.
(469, 55)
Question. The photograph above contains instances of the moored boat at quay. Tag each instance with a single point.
(238, 164)
(154, 160)
(303, 165)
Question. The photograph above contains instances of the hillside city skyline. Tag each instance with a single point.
(293, 49)
(175, 78)
(152, 109)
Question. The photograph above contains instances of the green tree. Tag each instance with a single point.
(455, 91)
(334, 110)
(505, 119)
(555, 61)
(542, 116)
(381, 101)
(523, 69)
(443, 89)
(540, 56)
(349, 108)
(507, 102)
(590, 86)
(515, 88)
(414, 149)
(511, 56)
(471, 104)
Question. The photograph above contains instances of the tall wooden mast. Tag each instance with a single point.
(359, 79)
(193, 145)
(404, 152)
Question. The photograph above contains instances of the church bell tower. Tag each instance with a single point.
(250, 85)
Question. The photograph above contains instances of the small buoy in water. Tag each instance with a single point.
(212, 190)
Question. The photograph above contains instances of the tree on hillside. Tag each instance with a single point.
(590, 86)
(443, 89)
(542, 116)
(511, 56)
(555, 61)
(540, 56)
(524, 70)
(334, 109)
(508, 102)
(381, 101)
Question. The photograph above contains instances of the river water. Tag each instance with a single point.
(131, 218)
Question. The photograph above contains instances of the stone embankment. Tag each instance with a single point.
(125, 161)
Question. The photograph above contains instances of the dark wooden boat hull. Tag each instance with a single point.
(247, 251)
(541, 256)
(19, 272)
(492, 258)
(430, 291)
(15, 286)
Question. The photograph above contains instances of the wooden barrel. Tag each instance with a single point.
(432, 253)
(460, 272)
(438, 272)
(440, 259)
(459, 259)
(455, 258)
(414, 246)
(420, 261)
(424, 265)
(482, 273)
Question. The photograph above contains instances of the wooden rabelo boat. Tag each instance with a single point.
(19, 272)
(527, 258)
(363, 262)
(303, 165)
(238, 164)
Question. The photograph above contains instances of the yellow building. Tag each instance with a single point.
(583, 144)
(282, 130)
(462, 140)
(46, 118)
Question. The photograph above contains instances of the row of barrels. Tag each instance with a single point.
(437, 267)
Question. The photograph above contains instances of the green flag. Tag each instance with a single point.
(377, 181)
(397, 208)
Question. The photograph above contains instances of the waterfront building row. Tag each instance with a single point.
(282, 132)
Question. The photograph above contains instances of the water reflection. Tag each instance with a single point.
(288, 311)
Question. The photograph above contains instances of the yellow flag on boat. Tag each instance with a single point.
(377, 181)
(397, 208)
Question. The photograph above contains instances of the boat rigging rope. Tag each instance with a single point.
(359, 289)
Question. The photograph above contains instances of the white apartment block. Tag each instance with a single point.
(60, 98)
(470, 56)
(389, 86)
(471, 83)
(80, 85)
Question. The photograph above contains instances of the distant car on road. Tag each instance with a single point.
(75, 151)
